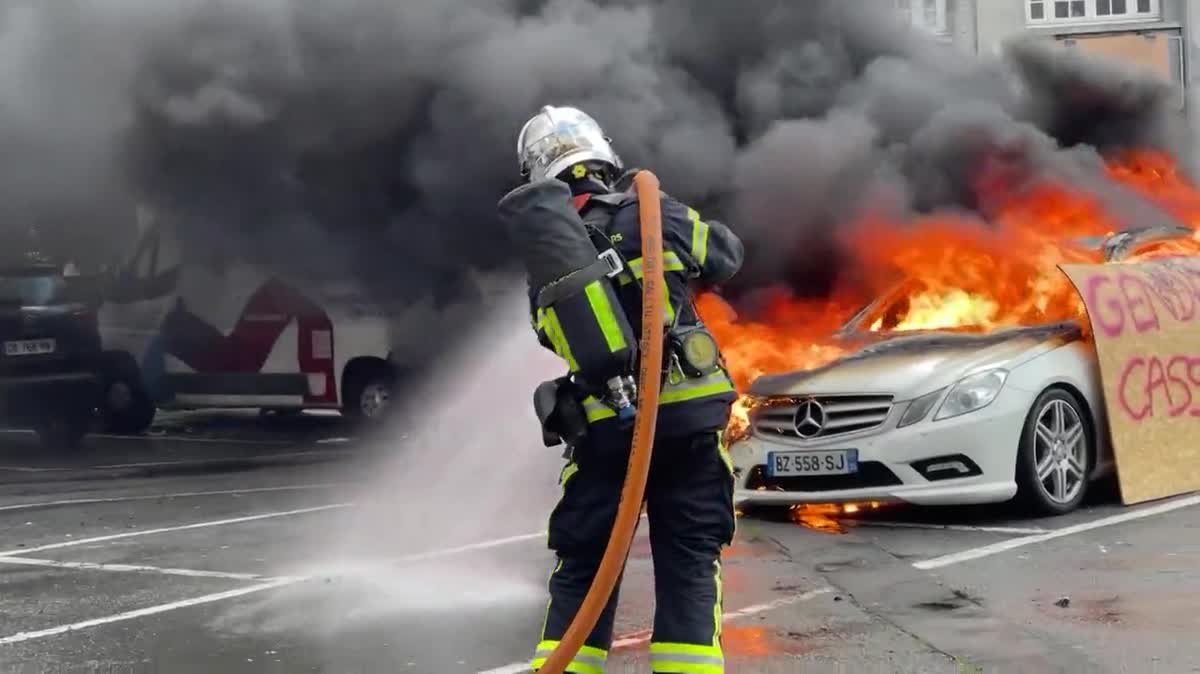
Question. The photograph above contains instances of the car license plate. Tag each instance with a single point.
(832, 462)
(29, 347)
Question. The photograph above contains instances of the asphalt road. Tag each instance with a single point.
(220, 543)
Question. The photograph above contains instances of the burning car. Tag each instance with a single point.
(941, 416)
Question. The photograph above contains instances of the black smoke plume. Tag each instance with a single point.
(373, 138)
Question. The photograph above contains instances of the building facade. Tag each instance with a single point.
(1161, 35)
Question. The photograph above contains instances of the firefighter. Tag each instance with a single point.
(569, 164)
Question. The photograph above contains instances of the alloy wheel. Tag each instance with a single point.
(1060, 451)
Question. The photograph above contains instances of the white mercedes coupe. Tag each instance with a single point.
(937, 418)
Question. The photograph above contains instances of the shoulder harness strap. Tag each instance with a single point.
(610, 262)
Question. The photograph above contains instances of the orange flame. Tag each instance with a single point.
(956, 273)
(825, 516)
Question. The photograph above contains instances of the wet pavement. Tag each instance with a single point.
(198, 548)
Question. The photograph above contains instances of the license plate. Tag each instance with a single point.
(832, 462)
(29, 347)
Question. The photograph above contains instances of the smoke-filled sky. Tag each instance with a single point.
(374, 137)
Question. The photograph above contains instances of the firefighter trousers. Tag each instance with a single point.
(689, 505)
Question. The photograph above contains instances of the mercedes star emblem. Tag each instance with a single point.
(810, 419)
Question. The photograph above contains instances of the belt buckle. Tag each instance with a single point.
(610, 258)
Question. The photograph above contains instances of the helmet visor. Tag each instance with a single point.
(566, 137)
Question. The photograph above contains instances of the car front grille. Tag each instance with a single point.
(816, 417)
(870, 474)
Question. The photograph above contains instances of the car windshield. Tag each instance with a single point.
(28, 287)
(910, 306)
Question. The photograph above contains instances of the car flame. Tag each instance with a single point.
(957, 273)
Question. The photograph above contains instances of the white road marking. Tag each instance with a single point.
(184, 462)
(270, 584)
(470, 547)
(31, 469)
(132, 568)
(162, 530)
(642, 636)
(151, 436)
(151, 497)
(191, 439)
(333, 441)
(152, 610)
(201, 462)
(1014, 543)
(185, 438)
(778, 603)
(948, 527)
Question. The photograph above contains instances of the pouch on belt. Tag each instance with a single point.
(560, 413)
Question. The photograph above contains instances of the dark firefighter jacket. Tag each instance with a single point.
(699, 252)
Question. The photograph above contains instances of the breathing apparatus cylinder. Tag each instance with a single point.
(576, 304)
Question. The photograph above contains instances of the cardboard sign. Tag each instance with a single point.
(1145, 320)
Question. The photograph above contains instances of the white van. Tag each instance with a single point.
(188, 335)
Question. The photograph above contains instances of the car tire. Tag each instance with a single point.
(127, 406)
(367, 394)
(1055, 455)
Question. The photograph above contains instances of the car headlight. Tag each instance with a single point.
(972, 393)
(919, 408)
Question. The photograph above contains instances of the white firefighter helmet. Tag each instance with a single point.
(557, 138)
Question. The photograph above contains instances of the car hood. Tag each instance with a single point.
(914, 364)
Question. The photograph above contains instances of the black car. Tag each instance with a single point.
(49, 353)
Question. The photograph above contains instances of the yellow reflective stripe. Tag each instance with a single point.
(567, 473)
(547, 646)
(728, 459)
(680, 666)
(670, 262)
(602, 308)
(668, 648)
(716, 642)
(596, 410)
(557, 567)
(690, 389)
(699, 237)
(724, 452)
(673, 658)
(548, 320)
(589, 660)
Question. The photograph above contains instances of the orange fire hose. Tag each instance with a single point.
(649, 382)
